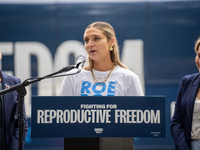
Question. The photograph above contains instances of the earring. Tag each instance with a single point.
(111, 48)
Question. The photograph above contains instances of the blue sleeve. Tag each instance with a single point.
(15, 139)
(177, 127)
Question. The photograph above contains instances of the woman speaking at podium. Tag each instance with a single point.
(104, 76)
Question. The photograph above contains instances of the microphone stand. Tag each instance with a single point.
(21, 94)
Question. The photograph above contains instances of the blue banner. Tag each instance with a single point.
(98, 116)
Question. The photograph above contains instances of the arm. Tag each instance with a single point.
(66, 87)
(15, 138)
(177, 127)
(135, 88)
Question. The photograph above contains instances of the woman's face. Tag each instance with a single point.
(197, 59)
(97, 44)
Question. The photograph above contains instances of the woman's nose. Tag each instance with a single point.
(90, 43)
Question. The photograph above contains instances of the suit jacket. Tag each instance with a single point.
(183, 114)
(11, 124)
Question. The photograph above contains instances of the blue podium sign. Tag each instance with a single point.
(114, 116)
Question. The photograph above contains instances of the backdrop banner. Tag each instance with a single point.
(107, 116)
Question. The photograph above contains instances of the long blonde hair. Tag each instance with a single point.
(108, 30)
(197, 44)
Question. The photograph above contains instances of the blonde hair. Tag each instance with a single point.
(197, 44)
(108, 30)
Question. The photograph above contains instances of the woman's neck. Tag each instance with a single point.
(101, 66)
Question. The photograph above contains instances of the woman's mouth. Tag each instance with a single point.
(92, 51)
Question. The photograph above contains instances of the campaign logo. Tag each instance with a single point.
(98, 130)
(98, 89)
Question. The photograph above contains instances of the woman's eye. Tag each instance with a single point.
(96, 38)
(86, 40)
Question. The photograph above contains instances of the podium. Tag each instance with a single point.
(90, 121)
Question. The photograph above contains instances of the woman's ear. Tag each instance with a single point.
(0, 55)
(112, 41)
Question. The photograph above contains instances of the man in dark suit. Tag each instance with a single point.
(9, 115)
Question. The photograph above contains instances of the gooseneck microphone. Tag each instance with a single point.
(80, 60)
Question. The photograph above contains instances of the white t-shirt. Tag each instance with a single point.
(121, 82)
(195, 132)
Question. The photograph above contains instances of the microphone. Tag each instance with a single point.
(80, 60)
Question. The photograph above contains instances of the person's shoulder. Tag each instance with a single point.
(191, 76)
(125, 72)
(83, 72)
(75, 75)
(10, 78)
(195, 77)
